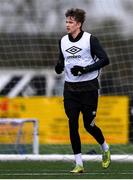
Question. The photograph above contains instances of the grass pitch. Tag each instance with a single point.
(61, 170)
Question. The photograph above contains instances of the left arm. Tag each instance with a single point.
(60, 64)
(96, 51)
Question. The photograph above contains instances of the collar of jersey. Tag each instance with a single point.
(77, 38)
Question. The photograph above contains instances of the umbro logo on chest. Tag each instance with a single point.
(73, 50)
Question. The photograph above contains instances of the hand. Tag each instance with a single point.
(78, 70)
(59, 68)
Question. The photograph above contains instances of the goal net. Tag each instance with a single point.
(19, 136)
(29, 87)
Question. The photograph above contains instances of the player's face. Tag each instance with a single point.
(72, 25)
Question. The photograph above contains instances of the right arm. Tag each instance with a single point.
(96, 51)
(59, 68)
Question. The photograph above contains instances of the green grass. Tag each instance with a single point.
(60, 169)
(66, 149)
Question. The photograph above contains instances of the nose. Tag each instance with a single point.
(67, 25)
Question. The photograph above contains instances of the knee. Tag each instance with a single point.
(89, 128)
(73, 126)
(90, 125)
(89, 122)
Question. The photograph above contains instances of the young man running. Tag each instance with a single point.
(81, 57)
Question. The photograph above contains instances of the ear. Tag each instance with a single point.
(79, 24)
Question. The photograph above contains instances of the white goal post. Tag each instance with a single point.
(35, 156)
(12, 122)
(64, 157)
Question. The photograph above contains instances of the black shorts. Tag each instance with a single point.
(85, 102)
(80, 99)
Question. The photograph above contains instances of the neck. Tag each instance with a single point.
(75, 34)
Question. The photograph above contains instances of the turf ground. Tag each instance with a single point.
(60, 169)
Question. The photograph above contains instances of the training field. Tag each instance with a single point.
(60, 169)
